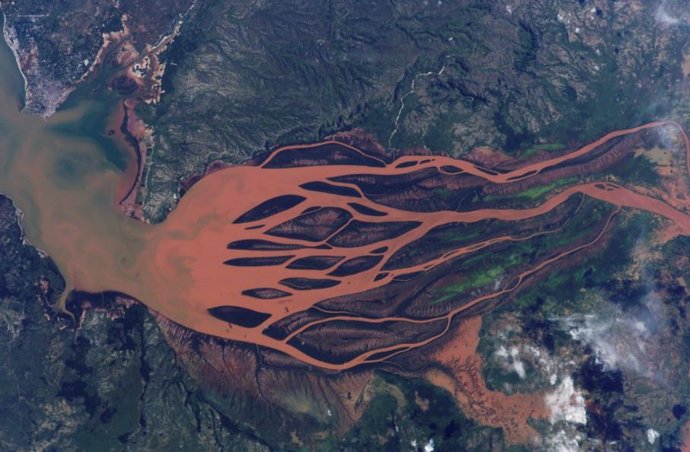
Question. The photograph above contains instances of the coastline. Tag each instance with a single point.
(50, 103)
(10, 37)
(131, 134)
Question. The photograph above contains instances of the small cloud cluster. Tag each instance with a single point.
(512, 358)
(563, 441)
(663, 17)
(669, 138)
(621, 340)
(617, 342)
(517, 357)
(652, 435)
(428, 447)
(667, 18)
(551, 376)
(566, 403)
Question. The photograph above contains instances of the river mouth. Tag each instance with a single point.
(263, 253)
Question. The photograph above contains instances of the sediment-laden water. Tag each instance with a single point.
(64, 174)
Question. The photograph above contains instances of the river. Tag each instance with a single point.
(64, 174)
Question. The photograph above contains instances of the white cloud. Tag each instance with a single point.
(562, 441)
(652, 435)
(619, 339)
(617, 342)
(663, 17)
(566, 403)
(512, 360)
(671, 17)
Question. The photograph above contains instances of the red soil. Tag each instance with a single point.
(685, 432)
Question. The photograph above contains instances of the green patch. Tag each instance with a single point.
(502, 262)
(537, 192)
(545, 147)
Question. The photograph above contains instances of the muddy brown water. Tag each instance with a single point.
(66, 184)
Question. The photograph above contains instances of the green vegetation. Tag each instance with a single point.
(479, 279)
(537, 192)
(548, 147)
(238, 81)
(558, 292)
(423, 414)
(503, 262)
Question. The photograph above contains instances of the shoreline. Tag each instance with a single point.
(10, 38)
(130, 133)
(53, 104)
